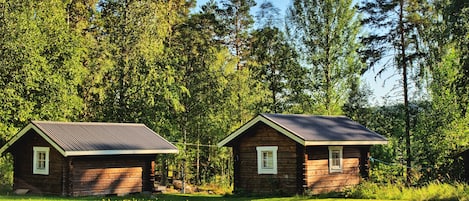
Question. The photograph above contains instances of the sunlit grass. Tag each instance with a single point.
(165, 197)
(367, 190)
(432, 191)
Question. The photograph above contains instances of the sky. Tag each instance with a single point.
(380, 86)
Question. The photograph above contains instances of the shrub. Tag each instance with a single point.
(6, 173)
(398, 191)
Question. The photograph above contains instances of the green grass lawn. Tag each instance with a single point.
(161, 197)
(368, 190)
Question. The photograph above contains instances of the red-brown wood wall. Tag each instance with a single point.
(246, 177)
(110, 175)
(318, 177)
(22, 152)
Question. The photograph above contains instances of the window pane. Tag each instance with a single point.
(41, 160)
(267, 160)
(336, 158)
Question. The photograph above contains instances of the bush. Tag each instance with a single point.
(398, 191)
(6, 173)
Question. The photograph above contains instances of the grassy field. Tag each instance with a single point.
(164, 197)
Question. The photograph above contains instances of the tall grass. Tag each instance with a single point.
(431, 191)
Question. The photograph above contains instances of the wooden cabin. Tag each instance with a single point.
(79, 159)
(295, 154)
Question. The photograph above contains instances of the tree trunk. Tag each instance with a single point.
(406, 98)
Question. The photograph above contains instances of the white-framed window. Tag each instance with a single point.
(41, 160)
(267, 159)
(335, 158)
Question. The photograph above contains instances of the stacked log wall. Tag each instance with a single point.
(246, 174)
(318, 177)
(110, 175)
(24, 178)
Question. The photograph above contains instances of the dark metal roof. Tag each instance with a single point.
(91, 138)
(324, 128)
(312, 130)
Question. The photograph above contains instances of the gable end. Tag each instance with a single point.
(38, 131)
(268, 122)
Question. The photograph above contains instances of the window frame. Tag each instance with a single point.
(334, 168)
(260, 159)
(36, 168)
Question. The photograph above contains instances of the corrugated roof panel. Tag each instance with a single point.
(91, 136)
(324, 128)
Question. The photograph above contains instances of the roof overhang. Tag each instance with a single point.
(80, 153)
(120, 152)
(316, 143)
(290, 134)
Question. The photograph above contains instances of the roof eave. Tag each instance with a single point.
(120, 152)
(373, 142)
(252, 122)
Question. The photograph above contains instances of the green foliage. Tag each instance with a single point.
(384, 168)
(431, 191)
(438, 127)
(6, 173)
(142, 81)
(325, 32)
(236, 19)
(446, 122)
(40, 61)
(274, 66)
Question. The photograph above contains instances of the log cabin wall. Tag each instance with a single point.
(300, 169)
(246, 177)
(106, 175)
(318, 178)
(23, 166)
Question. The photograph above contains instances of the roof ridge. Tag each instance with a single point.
(86, 123)
(304, 115)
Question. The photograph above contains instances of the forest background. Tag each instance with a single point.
(196, 74)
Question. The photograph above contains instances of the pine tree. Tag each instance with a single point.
(398, 23)
(203, 64)
(274, 64)
(236, 21)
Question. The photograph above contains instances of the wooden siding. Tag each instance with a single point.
(111, 175)
(246, 177)
(318, 178)
(22, 152)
